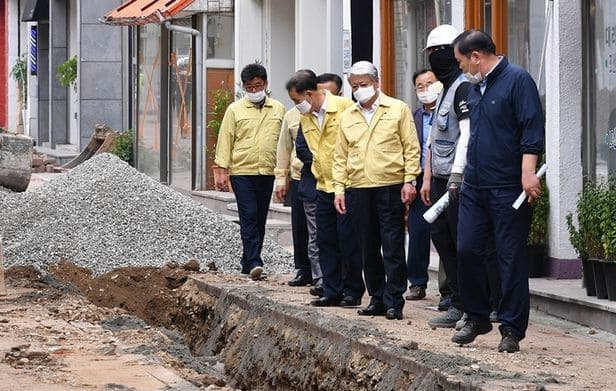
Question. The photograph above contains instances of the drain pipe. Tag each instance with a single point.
(198, 98)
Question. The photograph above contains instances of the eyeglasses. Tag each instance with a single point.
(254, 87)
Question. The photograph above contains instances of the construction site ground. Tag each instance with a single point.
(66, 330)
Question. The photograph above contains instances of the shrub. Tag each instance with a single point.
(539, 224)
(123, 147)
(595, 235)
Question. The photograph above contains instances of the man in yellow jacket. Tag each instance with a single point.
(246, 151)
(308, 270)
(339, 253)
(376, 164)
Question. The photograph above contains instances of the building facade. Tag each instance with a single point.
(569, 47)
(46, 33)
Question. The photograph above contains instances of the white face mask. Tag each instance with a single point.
(473, 78)
(364, 94)
(427, 97)
(303, 107)
(255, 97)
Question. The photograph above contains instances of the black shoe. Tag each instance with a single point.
(373, 310)
(326, 302)
(509, 342)
(470, 331)
(350, 301)
(444, 304)
(393, 314)
(416, 292)
(317, 291)
(300, 280)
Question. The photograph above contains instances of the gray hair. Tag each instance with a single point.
(365, 68)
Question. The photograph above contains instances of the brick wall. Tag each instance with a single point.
(4, 73)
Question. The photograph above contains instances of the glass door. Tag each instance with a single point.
(181, 59)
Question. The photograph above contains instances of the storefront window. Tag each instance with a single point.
(220, 37)
(413, 21)
(526, 28)
(148, 90)
(181, 59)
(601, 91)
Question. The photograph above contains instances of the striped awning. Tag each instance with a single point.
(140, 12)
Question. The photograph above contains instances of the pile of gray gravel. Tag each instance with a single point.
(105, 214)
(5, 190)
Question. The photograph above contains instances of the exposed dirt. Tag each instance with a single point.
(54, 337)
(149, 293)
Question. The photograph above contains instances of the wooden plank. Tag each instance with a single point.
(388, 54)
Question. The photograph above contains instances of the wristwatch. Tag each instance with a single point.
(414, 182)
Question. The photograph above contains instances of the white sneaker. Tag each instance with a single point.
(255, 272)
(462, 322)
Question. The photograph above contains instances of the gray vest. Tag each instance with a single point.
(444, 132)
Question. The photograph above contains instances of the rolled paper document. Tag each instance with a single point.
(518, 202)
(436, 209)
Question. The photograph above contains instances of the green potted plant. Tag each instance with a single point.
(19, 72)
(67, 73)
(608, 238)
(221, 99)
(594, 239)
(536, 247)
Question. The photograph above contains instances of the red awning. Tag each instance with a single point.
(139, 12)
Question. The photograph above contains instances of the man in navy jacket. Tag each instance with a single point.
(506, 138)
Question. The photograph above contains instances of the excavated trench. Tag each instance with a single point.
(267, 345)
(255, 342)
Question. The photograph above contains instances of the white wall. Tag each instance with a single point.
(248, 34)
(311, 35)
(14, 46)
(280, 47)
(563, 121)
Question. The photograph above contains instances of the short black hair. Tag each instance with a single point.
(419, 73)
(474, 40)
(327, 77)
(251, 71)
(302, 81)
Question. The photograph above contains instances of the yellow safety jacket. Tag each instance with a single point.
(384, 152)
(286, 159)
(249, 136)
(322, 141)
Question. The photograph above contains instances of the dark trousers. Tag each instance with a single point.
(418, 258)
(339, 252)
(444, 232)
(299, 229)
(482, 211)
(253, 194)
(378, 215)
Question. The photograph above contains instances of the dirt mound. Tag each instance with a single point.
(147, 292)
(20, 275)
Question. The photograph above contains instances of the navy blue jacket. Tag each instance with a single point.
(506, 122)
(307, 188)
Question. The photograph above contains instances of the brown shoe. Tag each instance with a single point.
(416, 292)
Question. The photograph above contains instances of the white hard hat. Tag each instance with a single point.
(441, 35)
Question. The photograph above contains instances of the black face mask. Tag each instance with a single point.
(444, 65)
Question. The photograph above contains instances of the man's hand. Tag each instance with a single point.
(453, 185)
(222, 179)
(281, 192)
(531, 186)
(340, 204)
(425, 192)
(408, 193)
